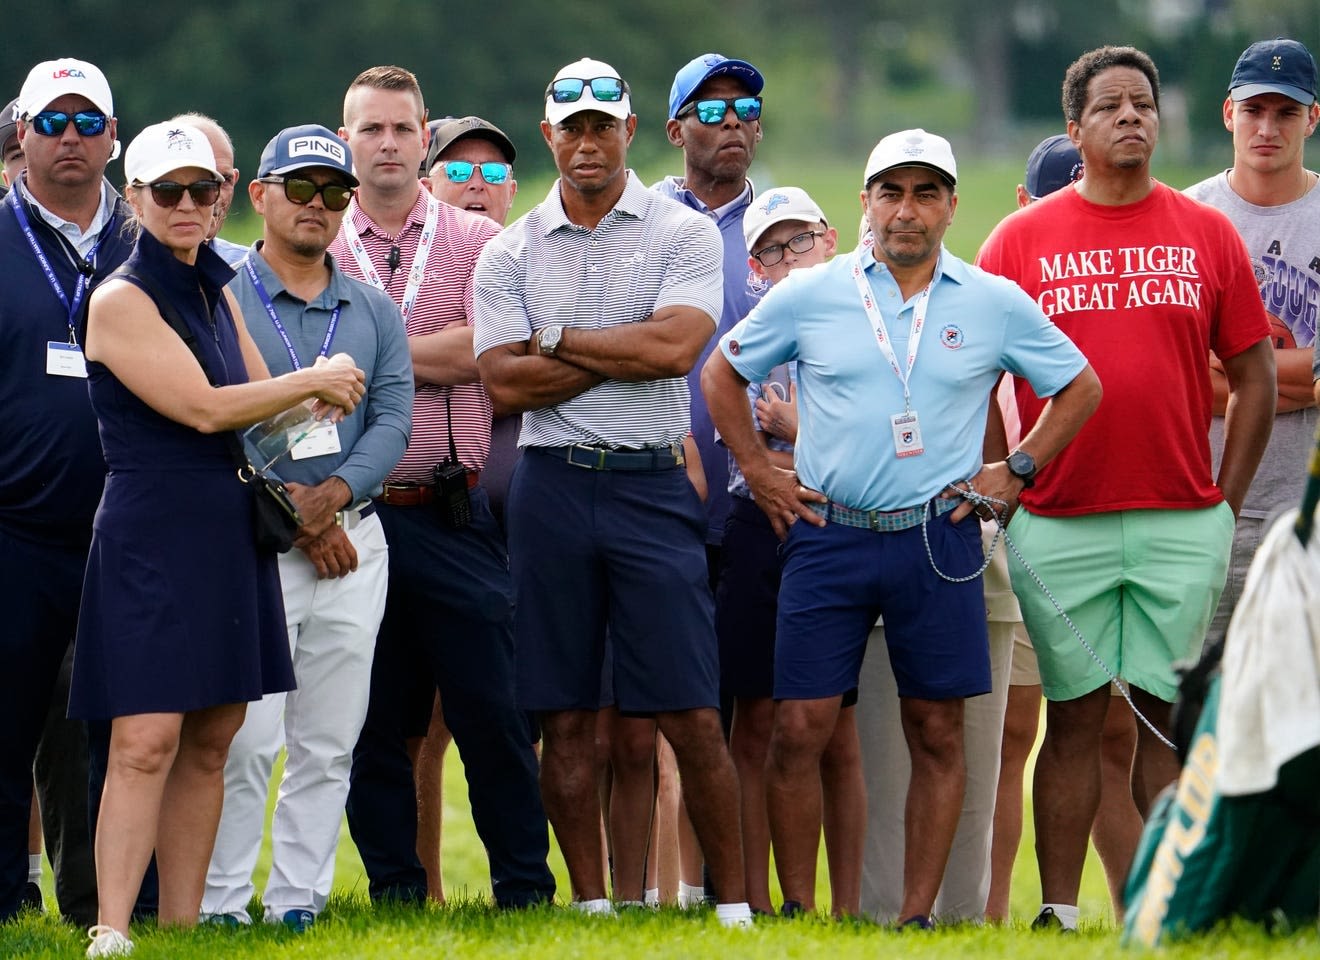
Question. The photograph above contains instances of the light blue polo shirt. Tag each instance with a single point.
(977, 325)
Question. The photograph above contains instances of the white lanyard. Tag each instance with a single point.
(882, 334)
(415, 272)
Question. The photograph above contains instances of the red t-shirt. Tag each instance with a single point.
(1146, 290)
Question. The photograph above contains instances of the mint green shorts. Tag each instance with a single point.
(1140, 585)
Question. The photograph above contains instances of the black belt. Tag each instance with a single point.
(605, 458)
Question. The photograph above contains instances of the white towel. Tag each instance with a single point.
(1269, 706)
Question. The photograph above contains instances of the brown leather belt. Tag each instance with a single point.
(416, 495)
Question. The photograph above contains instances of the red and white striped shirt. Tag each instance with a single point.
(444, 299)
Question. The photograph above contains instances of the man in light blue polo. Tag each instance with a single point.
(301, 309)
(898, 348)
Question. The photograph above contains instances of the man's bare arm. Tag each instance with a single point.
(1248, 418)
(517, 380)
(665, 344)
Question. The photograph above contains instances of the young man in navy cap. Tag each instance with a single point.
(301, 308)
(1272, 199)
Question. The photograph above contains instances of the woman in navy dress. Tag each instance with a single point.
(182, 620)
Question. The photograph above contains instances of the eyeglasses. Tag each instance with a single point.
(167, 193)
(803, 242)
(460, 171)
(335, 196)
(51, 123)
(712, 111)
(604, 89)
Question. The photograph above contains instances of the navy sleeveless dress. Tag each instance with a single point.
(179, 609)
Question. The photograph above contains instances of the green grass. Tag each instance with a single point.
(470, 927)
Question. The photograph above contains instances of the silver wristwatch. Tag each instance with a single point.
(547, 339)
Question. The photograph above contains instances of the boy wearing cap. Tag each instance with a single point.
(1147, 282)
(882, 443)
(1272, 199)
(11, 152)
(590, 311)
(784, 230)
(63, 213)
(301, 307)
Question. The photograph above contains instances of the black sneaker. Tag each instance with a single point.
(31, 898)
(1049, 920)
(917, 922)
(792, 908)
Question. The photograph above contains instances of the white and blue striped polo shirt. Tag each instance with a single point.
(646, 254)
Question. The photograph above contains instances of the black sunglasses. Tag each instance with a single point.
(52, 123)
(712, 111)
(800, 243)
(335, 196)
(167, 193)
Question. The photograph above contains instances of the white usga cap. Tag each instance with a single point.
(52, 79)
(776, 206)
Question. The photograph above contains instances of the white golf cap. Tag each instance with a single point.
(912, 148)
(52, 79)
(163, 147)
(586, 70)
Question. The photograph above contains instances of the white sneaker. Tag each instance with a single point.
(108, 942)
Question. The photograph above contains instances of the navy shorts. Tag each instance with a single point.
(746, 602)
(623, 551)
(838, 580)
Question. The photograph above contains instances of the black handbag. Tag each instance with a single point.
(275, 516)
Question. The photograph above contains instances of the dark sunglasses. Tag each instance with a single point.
(460, 171)
(51, 123)
(712, 111)
(335, 196)
(167, 193)
(604, 89)
(801, 243)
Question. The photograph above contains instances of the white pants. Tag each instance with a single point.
(332, 636)
(886, 767)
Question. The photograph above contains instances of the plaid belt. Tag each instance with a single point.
(882, 521)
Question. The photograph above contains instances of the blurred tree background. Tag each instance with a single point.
(840, 73)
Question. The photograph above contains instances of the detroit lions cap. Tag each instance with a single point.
(1275, 66)
(776, 206)
(308, 145)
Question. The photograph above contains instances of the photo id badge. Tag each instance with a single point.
(65, 360)
(907, 434)
(317, 442)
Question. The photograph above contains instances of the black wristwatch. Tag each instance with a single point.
(1023, 466)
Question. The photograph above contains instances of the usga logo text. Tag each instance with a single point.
(316, 147)
(68, 72)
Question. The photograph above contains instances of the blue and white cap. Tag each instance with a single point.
(308, 145)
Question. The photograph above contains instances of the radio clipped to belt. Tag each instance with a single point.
(453, 500)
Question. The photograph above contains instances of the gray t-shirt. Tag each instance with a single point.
(1284, 243)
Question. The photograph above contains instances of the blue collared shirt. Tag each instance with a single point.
(373, 437)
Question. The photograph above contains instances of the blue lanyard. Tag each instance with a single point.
(84, 280)
(279, 327)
